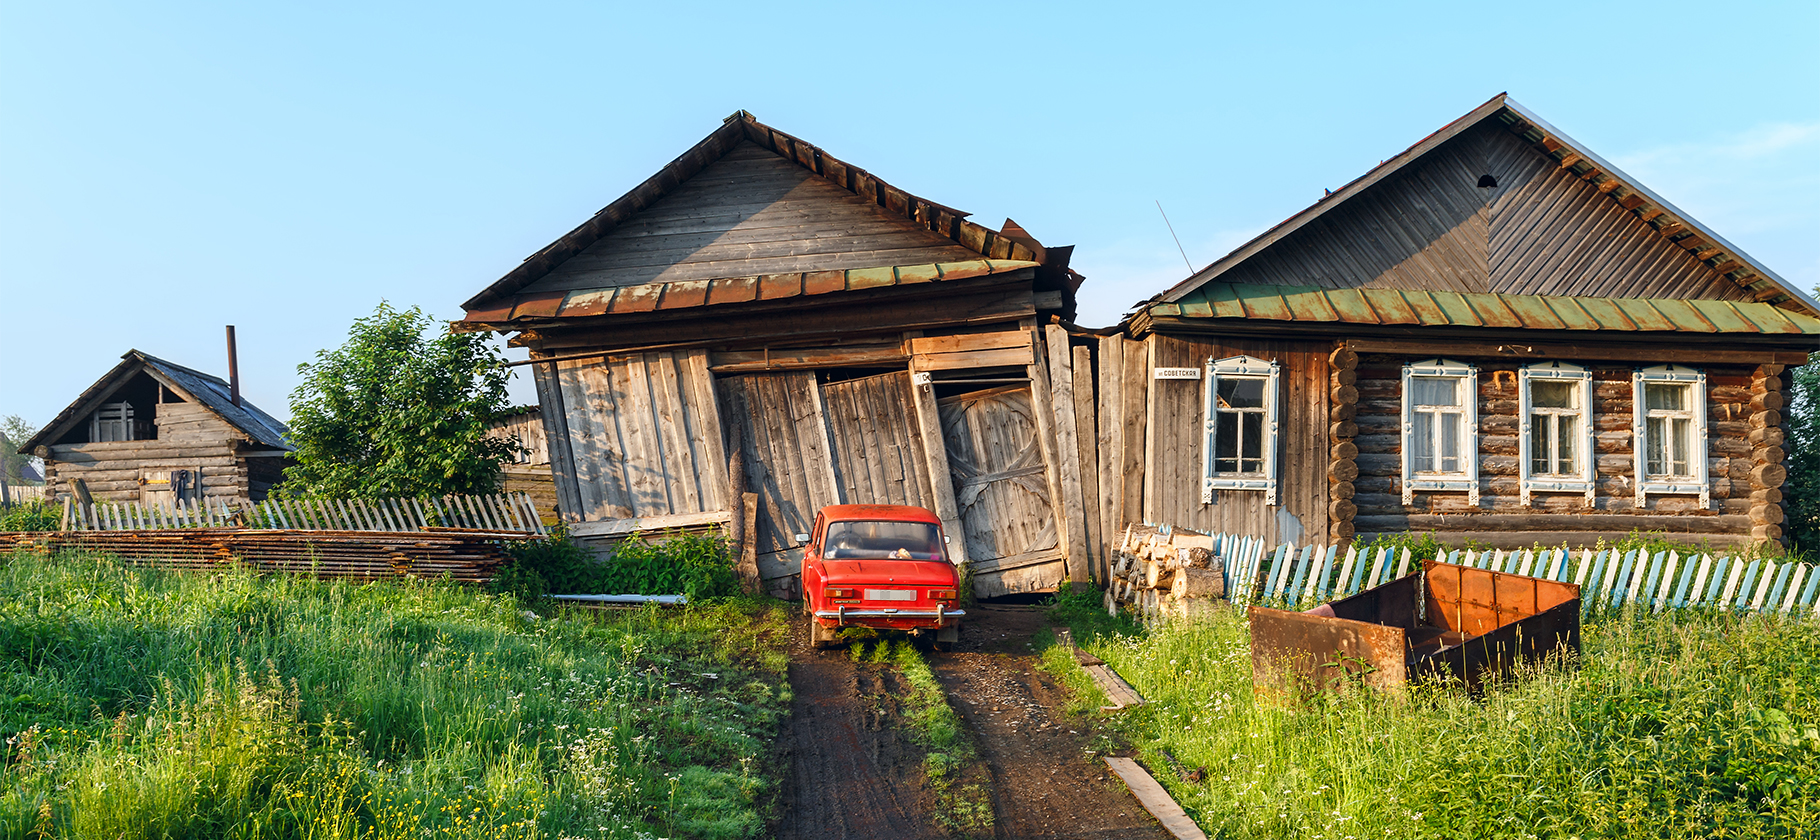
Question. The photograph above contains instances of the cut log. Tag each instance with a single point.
(1342, 510)
(1771, 496)
(1343, 358)
(1196, 558)
(1200, 583)
(1767, 476)
(1341, 490)
(1345, 394)
(1766, 532)
(1765, 419)
(1768, 401)
(1158, 576)
(1341, 412)
(1345, 377)
(1771, 436)
(1345, 450)
(1343, 470)
(1766, 515)
(1343, 429)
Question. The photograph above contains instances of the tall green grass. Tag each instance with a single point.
(1679, 725)
(139, 703)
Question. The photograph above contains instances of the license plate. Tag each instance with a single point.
(890, 594)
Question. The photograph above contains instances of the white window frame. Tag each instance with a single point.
(1531, 483)
(1698, 483)
(1241, 367)
(1467, 479)
(111, 416)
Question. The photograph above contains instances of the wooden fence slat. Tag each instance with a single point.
(1278, 564)
(1769, 568)
(1813, 589)
(1775, 592)
(1731, 583)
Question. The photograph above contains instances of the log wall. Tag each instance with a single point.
(112, 471)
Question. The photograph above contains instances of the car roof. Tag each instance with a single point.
(901, 513)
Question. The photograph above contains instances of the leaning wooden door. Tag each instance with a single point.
(878, 452)
(1000, 486)
(784, 444)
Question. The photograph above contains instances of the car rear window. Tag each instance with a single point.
(879, 539)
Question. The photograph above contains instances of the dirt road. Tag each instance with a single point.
(855, 775)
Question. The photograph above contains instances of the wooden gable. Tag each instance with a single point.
(750, 213)
(1543, 230)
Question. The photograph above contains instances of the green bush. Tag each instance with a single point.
(35, 515)
(696, 565)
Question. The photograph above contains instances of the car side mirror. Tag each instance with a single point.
(802, 538)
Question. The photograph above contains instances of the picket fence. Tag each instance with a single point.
(1257, 573)
(500, 512)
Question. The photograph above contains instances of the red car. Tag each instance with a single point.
(880, 566)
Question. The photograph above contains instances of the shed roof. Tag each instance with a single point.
(1686, 232)
(1415, 307)
(500, 300)
(211, 392)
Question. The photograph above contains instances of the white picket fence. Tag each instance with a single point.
(1257, 573)
(500, 512)
(21, 493)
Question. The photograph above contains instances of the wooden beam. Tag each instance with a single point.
(1087, 435)
(1683, 353)
(621, 527)
(1043, 407)
(861, 355)
(1068, 449)
(941, 482)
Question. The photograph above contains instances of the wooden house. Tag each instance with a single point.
(1495, 335)
(761, 320)
(530, 472)
(156, 432)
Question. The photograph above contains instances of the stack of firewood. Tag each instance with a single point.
(1161, 573)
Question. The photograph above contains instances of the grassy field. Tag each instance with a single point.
(1680, 725)
(135, 703)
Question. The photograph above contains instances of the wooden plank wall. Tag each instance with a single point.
(643, 436)
(1542, 231)
(1122, 393)
(784, 434)
(878, 449)
(1176, 439)
(112, 470)
(1501, 521)
(750, 213)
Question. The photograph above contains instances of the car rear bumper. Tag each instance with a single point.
(889, 617)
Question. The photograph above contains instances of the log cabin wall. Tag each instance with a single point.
(117, 471)
(1743, 434)
(1176, 439)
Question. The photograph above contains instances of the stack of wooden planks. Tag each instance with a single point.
(1160, 573)
(460, 554)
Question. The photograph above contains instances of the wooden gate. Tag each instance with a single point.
(784, 446)
(878, 454)
(1000, 486)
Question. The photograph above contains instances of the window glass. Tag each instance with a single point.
(1423, 432)
(1251, 437)
(870, 539)
(1241, 393)
(1545, 394)
(1665, 397)
(1435, 390)
(1450, 441)
(1567, 432)
(1226, 442)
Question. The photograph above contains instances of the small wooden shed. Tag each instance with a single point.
(156, 432)
(1495, 335)
(763, 318)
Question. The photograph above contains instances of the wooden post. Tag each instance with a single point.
(1067, 454)
(1087, 434)
(1342, 463)
(935, 454)
(1151, 514)
(1111, 443)
(1043, 409)
(736, 479)
(746, 520)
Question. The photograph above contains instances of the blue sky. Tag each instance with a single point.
(169, 168)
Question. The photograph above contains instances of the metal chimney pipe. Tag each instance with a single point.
(233, 369)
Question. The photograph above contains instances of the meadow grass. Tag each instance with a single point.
(141, 703)
(1685, 724)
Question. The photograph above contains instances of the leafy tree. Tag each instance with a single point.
(401, 409)
(1801, 494)
(14, 431)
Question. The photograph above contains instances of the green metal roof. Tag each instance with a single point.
(1399, 307)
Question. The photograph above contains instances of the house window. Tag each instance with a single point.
(1440, 423)
(1555, 429)
(111, 422)
(1240, 451)
(1669, 424)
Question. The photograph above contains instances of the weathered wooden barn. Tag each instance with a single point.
(156, 432)
(763, 319)
(1495, 335)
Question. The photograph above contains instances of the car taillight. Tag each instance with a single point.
(833, 592)
(941, 594)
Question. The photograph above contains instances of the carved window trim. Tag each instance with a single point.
(1467, 478)
(1697, 483)
(1582, 480)
(1241, 367)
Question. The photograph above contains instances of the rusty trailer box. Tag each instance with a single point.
(1447, 620)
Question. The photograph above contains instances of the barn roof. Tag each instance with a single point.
(1415, 307)
(554, 283)
(211, 392)
(1622, 196)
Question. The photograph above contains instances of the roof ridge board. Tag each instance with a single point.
(1661, 203)
(1327, 202)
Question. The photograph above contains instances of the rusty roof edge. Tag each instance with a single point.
(1668, 207)
(1337, 197)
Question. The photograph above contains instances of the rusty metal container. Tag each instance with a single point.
(1446, 620)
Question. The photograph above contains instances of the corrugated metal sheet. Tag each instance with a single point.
(1454, 309)
(686, 294)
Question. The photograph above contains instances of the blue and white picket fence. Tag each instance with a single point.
(1285, 575)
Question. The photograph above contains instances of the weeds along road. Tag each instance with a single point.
(856, 773)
